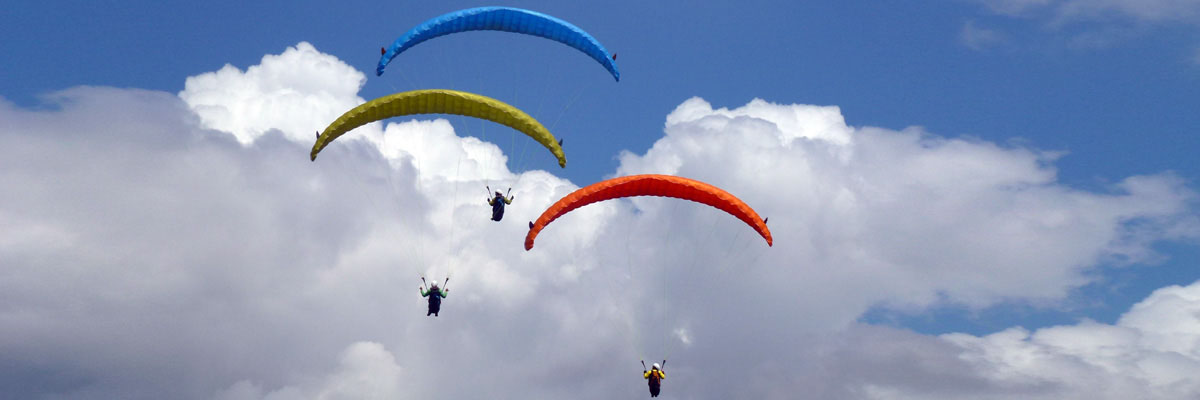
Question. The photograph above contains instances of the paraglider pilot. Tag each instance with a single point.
(497, 202)
(654, 377)
(435, 296)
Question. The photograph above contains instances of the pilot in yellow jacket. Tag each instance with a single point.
(654, 378)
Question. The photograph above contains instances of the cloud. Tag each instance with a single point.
(183, 246)
(1014, 7)
(1139, 10)
(977, 38)
(293, 92)
(154, 253)
(1142, 10)
(366, 371)
(1091, 24)
(1152, 352)
(908, 217)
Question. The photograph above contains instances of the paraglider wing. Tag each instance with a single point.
(502, 19)
(439, 101)
(650, 185)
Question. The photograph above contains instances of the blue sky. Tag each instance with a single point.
(1100, 92)
(888, 65)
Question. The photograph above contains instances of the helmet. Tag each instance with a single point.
(498, 193)
(433, 284)
(655, 366)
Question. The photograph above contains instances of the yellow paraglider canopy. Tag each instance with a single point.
(439, 101)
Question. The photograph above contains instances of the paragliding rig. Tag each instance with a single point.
(435, 295)
(503, 19)
(650, 185)
(654, 377)
(440, 101)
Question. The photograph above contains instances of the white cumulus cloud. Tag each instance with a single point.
(1152, 352)
(970, 220)
(292, 92)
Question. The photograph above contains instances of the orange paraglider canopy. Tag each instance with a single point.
(650, 185)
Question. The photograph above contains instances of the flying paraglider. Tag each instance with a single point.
(439, 101)
(505, 19)
(654, 377)
(650, 185)
(435, 296)
(497, 202)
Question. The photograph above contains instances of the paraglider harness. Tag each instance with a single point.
(435, 295)
(497, 202)
(654, 378)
